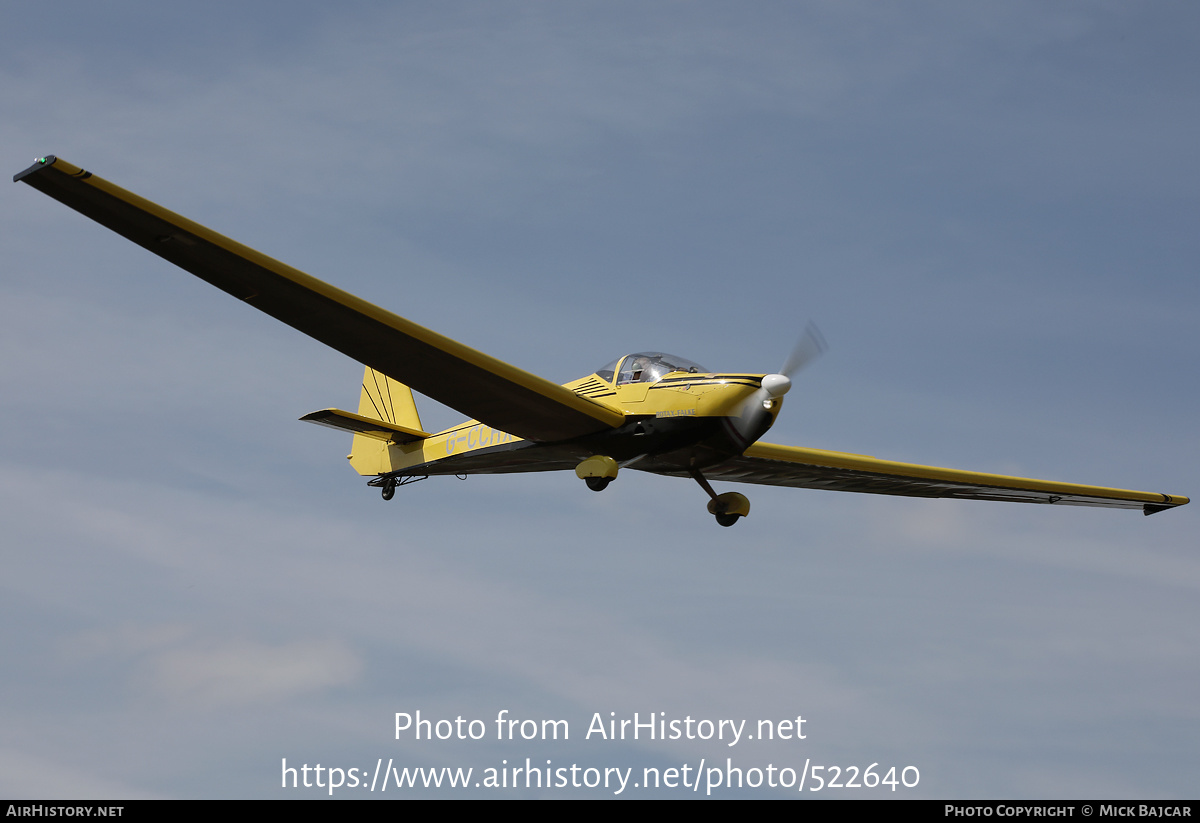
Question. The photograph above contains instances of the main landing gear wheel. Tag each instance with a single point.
(728, 519)
(389, 489)
(597, 471)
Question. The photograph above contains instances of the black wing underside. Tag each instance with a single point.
(772, 465)
(475, 384)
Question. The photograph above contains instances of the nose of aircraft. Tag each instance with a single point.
(776, 385)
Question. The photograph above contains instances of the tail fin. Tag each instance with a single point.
(386, 416)
(385, 399)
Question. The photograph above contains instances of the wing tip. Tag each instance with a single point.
(1170, 501)
(61, 166)
(38, 165)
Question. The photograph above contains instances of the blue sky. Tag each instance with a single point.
(990, 211)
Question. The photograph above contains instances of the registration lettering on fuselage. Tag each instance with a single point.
(476, 437)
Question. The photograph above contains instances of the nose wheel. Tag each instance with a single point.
(727, 508)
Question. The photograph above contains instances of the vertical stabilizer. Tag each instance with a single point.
(383, 399)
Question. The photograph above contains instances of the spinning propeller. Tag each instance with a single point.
(754, 417)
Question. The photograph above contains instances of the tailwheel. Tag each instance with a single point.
(597, 484)
(389, 488)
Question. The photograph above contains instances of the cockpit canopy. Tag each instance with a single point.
(647, 367)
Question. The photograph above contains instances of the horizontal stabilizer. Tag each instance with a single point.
(378, 429)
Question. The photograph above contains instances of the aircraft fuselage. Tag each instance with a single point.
(679, 422)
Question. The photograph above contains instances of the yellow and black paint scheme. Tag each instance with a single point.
(647, 411)
(680, 421)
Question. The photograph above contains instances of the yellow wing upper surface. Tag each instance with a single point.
(768, 464)
(476, 384)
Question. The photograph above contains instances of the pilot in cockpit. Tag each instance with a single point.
(647, 367)
(640, 365)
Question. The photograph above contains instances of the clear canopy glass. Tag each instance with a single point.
(647, 367)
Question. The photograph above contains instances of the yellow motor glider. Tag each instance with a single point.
(648, 411)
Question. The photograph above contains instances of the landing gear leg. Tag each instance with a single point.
(729, 507)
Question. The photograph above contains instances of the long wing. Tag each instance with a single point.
(479, 386)
(772, 465)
